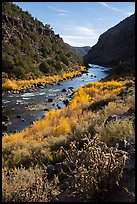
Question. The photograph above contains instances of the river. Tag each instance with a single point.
(34, 105)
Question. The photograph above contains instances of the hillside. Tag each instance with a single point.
(115, 48)
(82, 51)
(83, 151)
(31, 49)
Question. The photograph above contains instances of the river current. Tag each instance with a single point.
(34, 105)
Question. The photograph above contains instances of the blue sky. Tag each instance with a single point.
(79, 23)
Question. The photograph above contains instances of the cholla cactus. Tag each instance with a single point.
(96, 168)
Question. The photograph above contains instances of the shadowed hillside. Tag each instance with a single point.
(115, 48)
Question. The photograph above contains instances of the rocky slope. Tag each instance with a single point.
(31, 48)
(82, 51)
(115, 47)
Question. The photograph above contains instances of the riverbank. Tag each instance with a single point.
(101, 110)
(16, 86)
(34, 104)
(38, 146)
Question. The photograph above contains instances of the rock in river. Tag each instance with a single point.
(64, 90)
(50, 100)
(18, 116)
(4, 126)
(5, 118)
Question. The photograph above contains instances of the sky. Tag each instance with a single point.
(79, 23)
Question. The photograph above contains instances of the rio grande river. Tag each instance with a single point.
(33, 105)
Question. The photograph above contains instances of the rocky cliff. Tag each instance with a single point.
(31, 48)
(115, 47)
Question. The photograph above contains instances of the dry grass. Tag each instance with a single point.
(95, 168)
(27, 185)
(94, 163)
(57, 124)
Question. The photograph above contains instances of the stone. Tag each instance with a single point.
(18, 116)
(66, 102)
(110, 119)
(64, 90)
(46, 109)
(32, 122)
(58, 83)
(51, 171)
(50, 100)
(4, 126)
(58, 106)
(5, 118)
(23, 120)
(4, 134)
(71, 87)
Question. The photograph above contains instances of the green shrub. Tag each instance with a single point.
(19, 72)
(117, 129)
(64, 59)
(44, 67)
(7, 63)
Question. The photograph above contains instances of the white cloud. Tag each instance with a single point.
(83, 30)
(59, 12)
(101, 19)
(86, 31)
(79, 41)
(81, 35)
(128, 13)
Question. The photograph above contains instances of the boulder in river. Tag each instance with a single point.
(58, 83)
(50, 100)
(18, 116)
(32, 122)
(64, 90)
(4, 126)
(58, 106)
(71, 87)
(66, 102)
(23, 120)
(4, 134)
(5, 118)
(46, 109)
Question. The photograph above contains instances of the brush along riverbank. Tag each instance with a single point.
(85, 122)
(21, 85)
